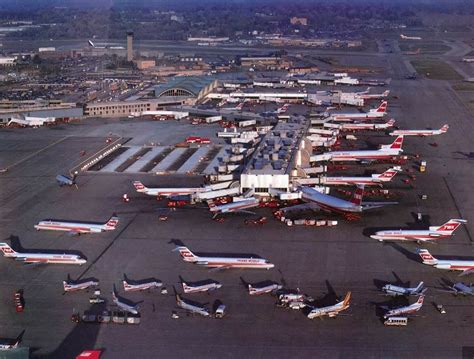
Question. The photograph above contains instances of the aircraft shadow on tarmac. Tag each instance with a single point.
(125, 300)
(379, 283)
(140, 281)
(330, 298)
(415, 225)
(16, 245)
(199, 282)
(82, 337)
(467, 155)
(177, 242)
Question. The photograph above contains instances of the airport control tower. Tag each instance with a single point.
(130, 46)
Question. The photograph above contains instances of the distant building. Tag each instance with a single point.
(299, 21)
(126, 108)
(260, 61)
(129, 46)
(143, 64)
(46, 49)
(208, 39)
(7, 61)
(195, 87)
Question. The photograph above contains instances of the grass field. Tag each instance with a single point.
(435, 70)
(464, 86)
(425, 48)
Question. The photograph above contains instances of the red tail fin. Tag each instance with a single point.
(444, 129)
(391, 122)
(112, 222)
(388, 174)
(138, 186)
(397, 144)
(382, 107)
(358, 195)
(450, 226)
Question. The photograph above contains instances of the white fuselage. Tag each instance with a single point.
(167, 192)
(70, 226)
(346, 117)
(264, 290)
(230, 262)
(236, 206)
(461, 265)
(330, 311)
(415, 133)
(348, 181)
(128, 308)
(411, 235)
(327, 202)
(142, 286)
(48, 258)
(200, 288)
(72, 287)
(191, 307)
(384, 153)
(413, 308)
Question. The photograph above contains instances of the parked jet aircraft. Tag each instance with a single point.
(409, 309)
(432, 234)
(410, 37)
(66, 180)
(73, 285)
(111, 47)
(395, 290)
(76, 227)
(372, 96)
(224, 262)
(317, 200)
(332, 310)
(166, 192)
(237, 206)
(374, 180)
(385, 152)
(460, 288)
(360, 126)
(27, 121)
(129, 286)
(45, 258)
(378, 112)
(8, 344)
(466, 266)
(207, 286)
(272, 288)
(190, 307)
(421, 133)
(124, 306)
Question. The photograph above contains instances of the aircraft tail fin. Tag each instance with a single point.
(358, 195)
(91, 44)
(112, 222)
(186, 254)
(139, 187)
(347, 299)
(382, 107)
(451, 225)
(397, 144)
(420, 300)
(427, 257)
(390, 122)
(444, 129)
(419, 287)
(251, 289)
(7, 250)
(387, 175)
(386, 93)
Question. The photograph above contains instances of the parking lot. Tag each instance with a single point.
(313, 259)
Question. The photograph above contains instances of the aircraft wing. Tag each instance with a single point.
(372, 205)
(466, 272)
(301, 207)
(73, 233)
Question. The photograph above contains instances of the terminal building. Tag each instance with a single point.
(127, 108)
(195, 88)
(280, 156)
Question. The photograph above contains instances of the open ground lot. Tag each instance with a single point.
(307, 258)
